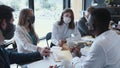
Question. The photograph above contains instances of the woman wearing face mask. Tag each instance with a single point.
(25, 36)
(65, 29)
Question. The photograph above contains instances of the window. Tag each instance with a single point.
(17, 5)
(47, 12)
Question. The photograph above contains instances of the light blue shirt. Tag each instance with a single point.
(104, 52)
(63, 32)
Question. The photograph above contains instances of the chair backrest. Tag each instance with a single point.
(11, 43)
(48, 37)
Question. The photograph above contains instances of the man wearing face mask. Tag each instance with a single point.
(65, 30)
(6, 32)
(9, 32)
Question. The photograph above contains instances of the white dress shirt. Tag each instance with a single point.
(104, 52)
(23, 40)
(63, 32)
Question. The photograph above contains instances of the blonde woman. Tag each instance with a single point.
(25, 36)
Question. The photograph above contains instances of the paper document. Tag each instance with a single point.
(62, 55)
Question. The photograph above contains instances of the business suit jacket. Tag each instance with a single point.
(82, 27)
(7, 57)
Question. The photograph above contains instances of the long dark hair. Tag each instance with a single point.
(71, 24)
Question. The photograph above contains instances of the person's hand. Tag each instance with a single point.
(45, 51)
(61, 42)
(39, 48)
(76, 51)
(53, 66)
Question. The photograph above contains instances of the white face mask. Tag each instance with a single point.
(67, 20)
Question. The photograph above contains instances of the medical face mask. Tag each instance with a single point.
(8, 33)
(31, 19)
(66, 20)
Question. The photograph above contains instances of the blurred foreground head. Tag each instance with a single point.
(98, 21)
(6, 21)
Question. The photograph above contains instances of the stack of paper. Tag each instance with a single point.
(62, 55)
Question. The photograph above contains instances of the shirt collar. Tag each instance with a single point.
(107, 33)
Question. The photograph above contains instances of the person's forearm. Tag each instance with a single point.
(23, 58)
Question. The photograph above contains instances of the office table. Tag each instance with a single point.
(56, 58)
(50, 61)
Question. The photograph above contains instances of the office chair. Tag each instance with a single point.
(48, 37)
(12, 43)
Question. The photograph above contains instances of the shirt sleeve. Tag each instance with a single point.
(23, 58)
(2, 63)
(95, 59)
(54, 38)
